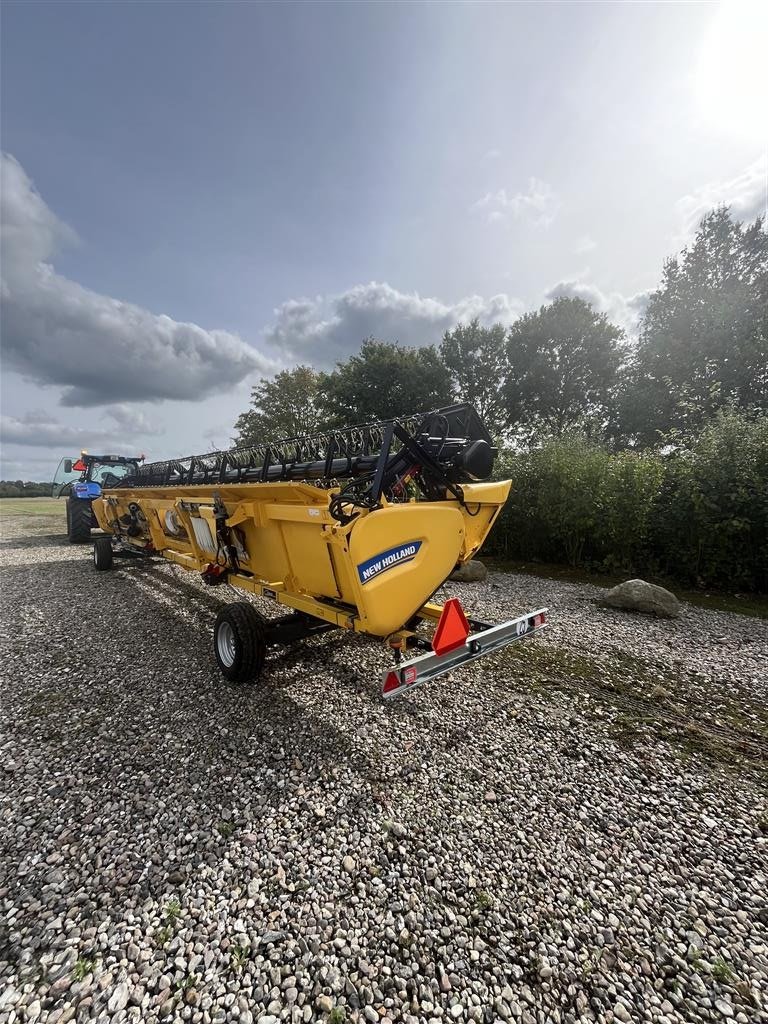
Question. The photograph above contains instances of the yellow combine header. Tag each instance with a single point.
(353, 529)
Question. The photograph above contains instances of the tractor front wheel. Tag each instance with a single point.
(239, 642)
(102, 554)
(79, 520)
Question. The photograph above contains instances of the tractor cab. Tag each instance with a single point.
(81, 480)
(86, 476)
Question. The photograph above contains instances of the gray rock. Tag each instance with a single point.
(119, 998)
(639, 596)
(472, 571)
(724, 1007)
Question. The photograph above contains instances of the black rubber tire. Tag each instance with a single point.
(79, 520)
(239, 642)
(102, 554)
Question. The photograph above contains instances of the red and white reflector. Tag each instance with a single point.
(539, 619)
(452, 629)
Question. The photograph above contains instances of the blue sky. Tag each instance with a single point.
(196, 194)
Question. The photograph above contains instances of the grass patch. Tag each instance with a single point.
(33, 507)
(225, 829)
(172, 911)
(86, 964)
(652, 701)
(721, 971)
(483, 899)
(239, 957)
(338, 1015)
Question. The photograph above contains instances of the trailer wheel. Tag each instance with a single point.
(102, 553)
(79, 519)
(239, 642)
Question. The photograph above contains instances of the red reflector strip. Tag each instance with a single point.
(539, 620)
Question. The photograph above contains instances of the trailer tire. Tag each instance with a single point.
(79, 520)
(239, 642)
(102, 554)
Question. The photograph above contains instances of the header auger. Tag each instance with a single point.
(353, 528)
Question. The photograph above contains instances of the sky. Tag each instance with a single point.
(198, 195)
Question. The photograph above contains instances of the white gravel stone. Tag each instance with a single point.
(160, 827)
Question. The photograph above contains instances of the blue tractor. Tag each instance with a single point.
(82, 480)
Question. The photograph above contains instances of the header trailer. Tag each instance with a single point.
(352, 529)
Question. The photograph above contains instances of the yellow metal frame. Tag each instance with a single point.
(293, 551)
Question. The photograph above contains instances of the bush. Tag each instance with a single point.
(698, 514)
(711, 525)
(574, 501)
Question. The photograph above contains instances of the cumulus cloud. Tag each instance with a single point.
(331, 327)
(624, 311)
(746, 194)
(538, 205)
(39, 429)
(99, 349)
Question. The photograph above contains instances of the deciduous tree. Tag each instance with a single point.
(384, 380)
(563, 368)
(477, 359)
(704, 337)
(286, 406)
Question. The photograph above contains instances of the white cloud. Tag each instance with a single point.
(624, 311)
(37, 468)
(39, 429)
(746, 194)
(101, 350)
(331, 327)
(539, 205)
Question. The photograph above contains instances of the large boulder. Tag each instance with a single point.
(639, 596)
(470, 572)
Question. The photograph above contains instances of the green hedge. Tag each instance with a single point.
(699, 514)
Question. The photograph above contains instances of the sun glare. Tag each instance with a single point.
(732, 72)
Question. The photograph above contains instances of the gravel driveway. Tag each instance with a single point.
(574, 829)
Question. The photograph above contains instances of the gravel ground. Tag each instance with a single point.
(574, 829)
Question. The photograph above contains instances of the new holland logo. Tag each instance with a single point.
(387, 560)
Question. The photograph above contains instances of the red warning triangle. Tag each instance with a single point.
(392, 682)
(452, 629)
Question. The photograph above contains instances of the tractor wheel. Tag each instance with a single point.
(79, 519)
(239, 642)
(102, 553)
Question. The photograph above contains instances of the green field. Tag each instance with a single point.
(33, 507)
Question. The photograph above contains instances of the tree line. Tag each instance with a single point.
(702, 346)
(648, 453)
(24, 489)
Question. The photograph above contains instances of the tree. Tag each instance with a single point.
(477, 359)
(385, 380)
(704, 337)
(286, 406)
(564, 363)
